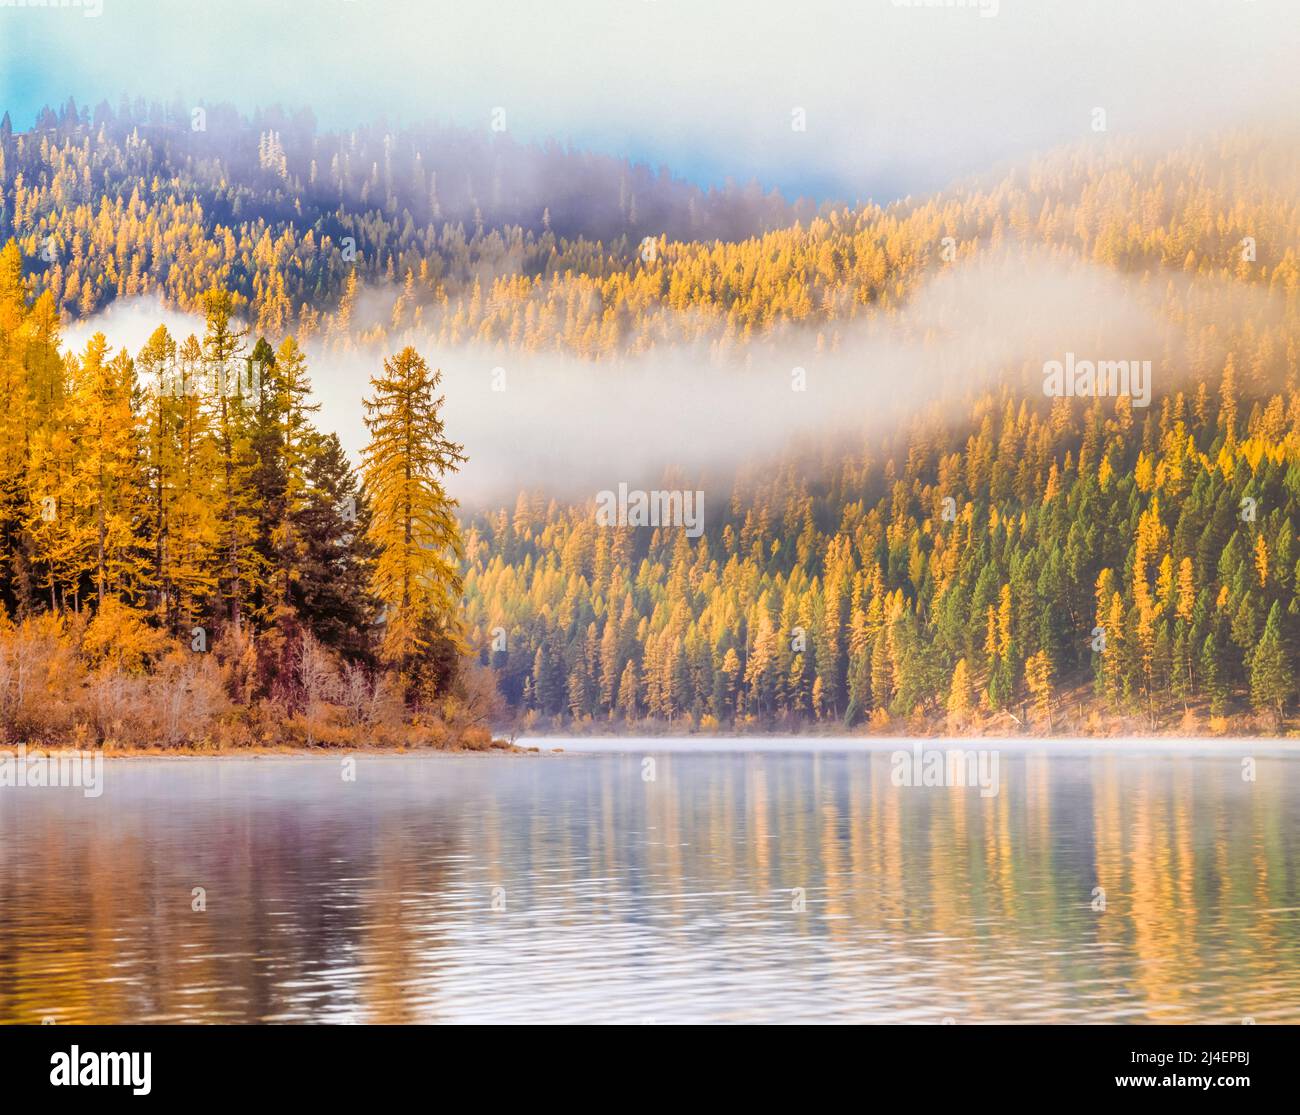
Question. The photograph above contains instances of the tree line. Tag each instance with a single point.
(1080, 566)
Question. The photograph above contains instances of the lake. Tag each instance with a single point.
(651, 881)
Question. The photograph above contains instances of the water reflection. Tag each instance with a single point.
(748, 887)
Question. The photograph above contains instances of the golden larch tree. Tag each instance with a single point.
(413, 523)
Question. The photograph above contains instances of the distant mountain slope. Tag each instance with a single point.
(1000, 557)
(474, 238)
(147, 190)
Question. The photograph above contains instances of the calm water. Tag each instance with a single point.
(677, 899)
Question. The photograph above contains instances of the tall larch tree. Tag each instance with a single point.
(233, 391)
(413, 522)
(112, 470)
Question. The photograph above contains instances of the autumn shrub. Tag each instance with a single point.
(121, 640)
(112, 681)
(40, 678)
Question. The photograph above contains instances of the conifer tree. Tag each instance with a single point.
(959, 695)
(156, 364)
(111, 470)
(1038, 680)
(234, 389)
(16, 422)
(413, 522)
(192, 496)
(284, 443)
(61, 518)
(1270, 680)
(335, 556)
(1212, 671)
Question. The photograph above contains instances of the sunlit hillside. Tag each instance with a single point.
(1000, 558)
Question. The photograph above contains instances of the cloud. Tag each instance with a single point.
(571, 427)
(129, 322)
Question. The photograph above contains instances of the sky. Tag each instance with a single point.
(897, 98)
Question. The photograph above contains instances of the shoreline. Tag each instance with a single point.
(265, 752)
(537, 746)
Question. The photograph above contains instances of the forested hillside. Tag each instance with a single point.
(1002, 559)
(145, 198)
(297, 226)
(1101, 567)
(1156, 554)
